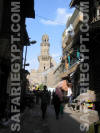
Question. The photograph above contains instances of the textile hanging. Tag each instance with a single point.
(78, 54)
(69, 60)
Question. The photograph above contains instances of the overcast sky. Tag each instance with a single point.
(51, 17)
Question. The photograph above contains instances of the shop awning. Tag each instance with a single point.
(70, 70)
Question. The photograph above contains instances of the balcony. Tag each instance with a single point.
(74, 21)
(70, 70)
(72, 63)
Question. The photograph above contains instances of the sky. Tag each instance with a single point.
(50, 18)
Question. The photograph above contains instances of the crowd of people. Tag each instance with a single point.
(45, 98)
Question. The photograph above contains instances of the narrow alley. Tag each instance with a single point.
(49, 63)
(32, 121)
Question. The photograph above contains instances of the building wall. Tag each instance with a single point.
(70, 47)
(5, 48)
(44, 74)
(93, 45)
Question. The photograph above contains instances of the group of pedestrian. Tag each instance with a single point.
(58, 100)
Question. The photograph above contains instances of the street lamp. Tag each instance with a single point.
(31, 42)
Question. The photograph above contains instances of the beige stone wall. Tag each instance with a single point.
(36, 78)
(51, 79)
(44, 64)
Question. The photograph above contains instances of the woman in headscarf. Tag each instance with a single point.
(57, 98)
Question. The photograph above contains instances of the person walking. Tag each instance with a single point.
(44, 101)
(57, 98)
(62, 109)
(62, 104)
(69, 94)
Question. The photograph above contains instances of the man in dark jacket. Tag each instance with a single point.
(44, 101)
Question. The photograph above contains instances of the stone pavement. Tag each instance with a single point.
(91, 115)
(31, 121)
(65, 123)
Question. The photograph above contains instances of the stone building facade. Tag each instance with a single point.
(93, 45)
(44, 74)
(71, 50)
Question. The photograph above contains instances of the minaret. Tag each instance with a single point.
(44, 59)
